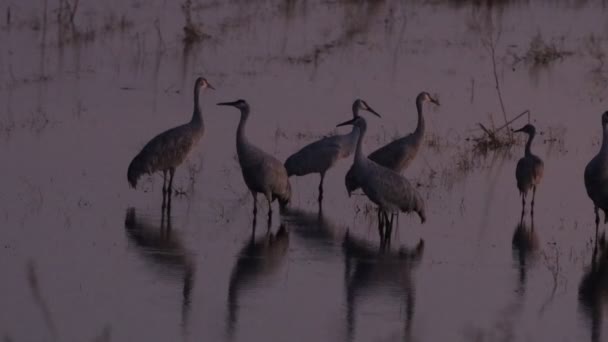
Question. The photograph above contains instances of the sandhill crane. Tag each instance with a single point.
(398, 154)
(262, 172)
(529, 170)
(166, 151)
(321, 155)
(596, 176)
(386, 188)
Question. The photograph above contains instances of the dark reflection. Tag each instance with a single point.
(368, 269)
(40, 299)
(259, 259)
(525, 247)
(162, 248)
(593, 290)
(314, 228)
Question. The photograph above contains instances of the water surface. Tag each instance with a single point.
(83, 257)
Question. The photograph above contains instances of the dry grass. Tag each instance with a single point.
(492, 142)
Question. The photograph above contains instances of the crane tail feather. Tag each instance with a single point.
(422, 216)
(284, 198)
(420, 209)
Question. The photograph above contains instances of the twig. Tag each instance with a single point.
(488, 132)
(527, 111)
(497, 83)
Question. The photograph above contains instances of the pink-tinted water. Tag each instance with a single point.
(85, 258)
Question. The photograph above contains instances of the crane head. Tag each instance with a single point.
(202, 83)
(240, 104)
(426, 97)
(531, 130)
(361, 104)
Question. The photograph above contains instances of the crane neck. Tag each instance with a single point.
(353, 135)
(197, 116)
(240, 132)
(420, 126)
(360, 131)
(604, 149)
(529, 144)
(355, 109)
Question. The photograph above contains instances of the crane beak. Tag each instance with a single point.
(435, 101)
(233, 103)
(349, 122)
(210, 86)
(517, 130)
(369, 109)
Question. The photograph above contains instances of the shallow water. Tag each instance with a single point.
(84, 257)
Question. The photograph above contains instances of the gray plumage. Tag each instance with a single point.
(529, 170)
(596, 175)
(386, 188)
(398, 154)
(262, 172)
(166, 151)
(321, 155)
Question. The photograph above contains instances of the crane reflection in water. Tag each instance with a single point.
(161, 247)
(368, 269)
(259, 259)
(593, 289)
(525, 249)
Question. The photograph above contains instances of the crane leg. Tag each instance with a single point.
(523, 201)
(269, 200)
(385, 224)
(597, 220)
(390, 226)
(170, 189)
(533, 196)
(380, 225)
(164, 182)
(255, 208)
(164, 205)
(255, 203)
(321, 186)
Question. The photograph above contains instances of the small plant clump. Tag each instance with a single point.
(192, 34)
(491, 141)
(496, 138)
(541, 53)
